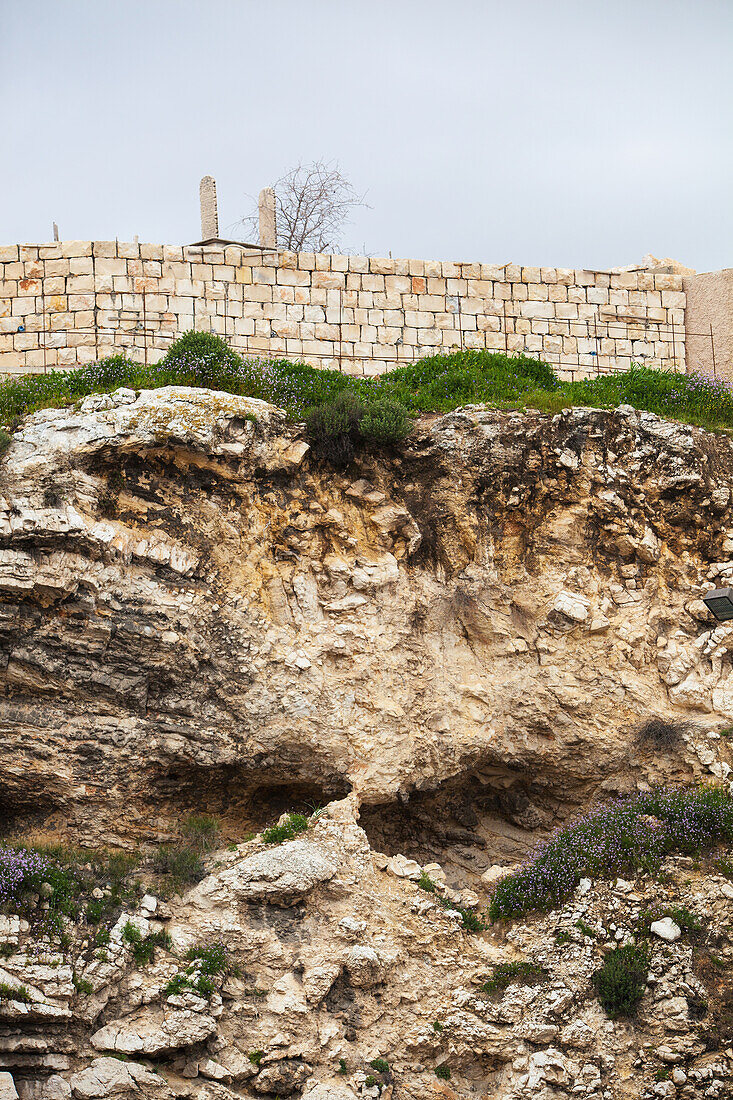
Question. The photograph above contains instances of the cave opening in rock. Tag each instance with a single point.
(465, 825)
(241, 803)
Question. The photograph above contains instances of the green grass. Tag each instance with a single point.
(81, 985)
(13, 992)
(207, 962)
(143, 947)
(586, 929)
(293, 825)
(438, 383)
(201, 831)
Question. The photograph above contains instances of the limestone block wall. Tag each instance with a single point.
(70, 302)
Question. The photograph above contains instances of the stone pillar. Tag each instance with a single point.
(268, 218)
(209, 212)
(709, 308)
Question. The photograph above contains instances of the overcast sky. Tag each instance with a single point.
(578, 133)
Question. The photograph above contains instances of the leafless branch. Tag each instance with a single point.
(313, 203)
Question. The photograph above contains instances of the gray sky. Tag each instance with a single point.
(556, 132)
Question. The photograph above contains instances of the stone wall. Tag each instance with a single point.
(709, 323)
(70, 302)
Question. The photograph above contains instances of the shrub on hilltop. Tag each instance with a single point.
(336, 427)
(203, 358)
(437, 383)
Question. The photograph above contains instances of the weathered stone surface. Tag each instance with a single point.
(110, 1077)
(203, 598)
(666, 929)
(281, 874)
(291, 649)
(151, 1035)
(328, 1090)
(8, 1090)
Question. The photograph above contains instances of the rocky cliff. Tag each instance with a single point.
(451, 648)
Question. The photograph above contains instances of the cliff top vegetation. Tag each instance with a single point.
(437, 383)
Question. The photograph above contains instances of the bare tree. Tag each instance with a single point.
(313, 201)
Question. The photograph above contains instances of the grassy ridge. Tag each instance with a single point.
(438, 383)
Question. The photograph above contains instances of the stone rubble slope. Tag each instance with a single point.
(363, 966)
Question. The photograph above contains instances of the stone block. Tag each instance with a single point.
(128, 249)
(493, 272)
(28, 288)
(80, 301)
(537, 309)
(23, 306)
(624, 280)
(668, 282)
(105, 265)
(78, 265)
(105, 249)
(330, 280)
(8, 253)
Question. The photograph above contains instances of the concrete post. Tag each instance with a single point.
(268, 218)
(209, 212)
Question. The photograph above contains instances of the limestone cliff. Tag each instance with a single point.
(454, 646)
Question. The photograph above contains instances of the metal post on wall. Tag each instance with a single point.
(43, 327)
(712, 349)
(145, 329)
(94, 311)
(341, 300)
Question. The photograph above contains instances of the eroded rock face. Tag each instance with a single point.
(452, 647)
(194, 611)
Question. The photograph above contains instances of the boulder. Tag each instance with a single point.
(8, 1090)
(282, 874)
(151, 1035)
(110, 1077)
(666, 929)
